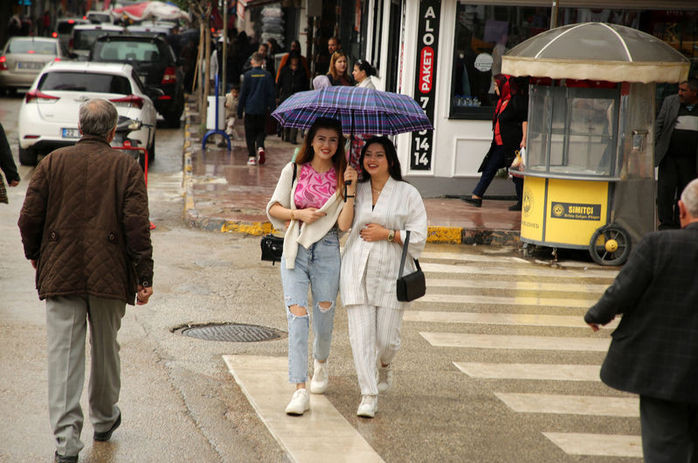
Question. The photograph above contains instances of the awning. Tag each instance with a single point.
(597, 51)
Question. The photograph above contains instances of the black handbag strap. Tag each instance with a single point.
(404, 255)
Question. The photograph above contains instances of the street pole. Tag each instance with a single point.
(553, 14)
(224, 58)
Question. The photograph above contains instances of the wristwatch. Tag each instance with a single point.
(391, 235)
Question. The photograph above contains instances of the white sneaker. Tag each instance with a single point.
(299, 404)
(368, 406)
(385, 378)
(318, 384)
(251, 161)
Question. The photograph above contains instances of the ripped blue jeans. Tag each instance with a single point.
(317, 266)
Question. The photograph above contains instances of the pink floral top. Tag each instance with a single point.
(314, 189)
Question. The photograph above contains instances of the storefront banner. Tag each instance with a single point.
(425, 81)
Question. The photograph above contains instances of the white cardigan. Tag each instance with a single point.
(366, 83)
(370, 269)
(309, 233)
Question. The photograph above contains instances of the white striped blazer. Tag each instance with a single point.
(376, 264)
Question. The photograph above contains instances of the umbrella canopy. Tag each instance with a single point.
(361, 110)
(154, 10)
(596, 51)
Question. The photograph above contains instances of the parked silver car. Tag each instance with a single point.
(23, 58)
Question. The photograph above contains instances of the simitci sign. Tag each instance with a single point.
(425, 83)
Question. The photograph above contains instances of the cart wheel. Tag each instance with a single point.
(610, 245)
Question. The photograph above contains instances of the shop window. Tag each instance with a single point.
(484, 33)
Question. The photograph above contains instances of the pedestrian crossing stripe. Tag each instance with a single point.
(489, 341)
(606, 445)
(463, 257)
(589, 289)
(322, 431)
(512, 272)
(533, 371)
(523, 319)
(571, 404)
(508, 300)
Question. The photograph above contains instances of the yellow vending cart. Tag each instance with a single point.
(589, 180)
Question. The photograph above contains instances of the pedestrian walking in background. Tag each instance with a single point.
(292, 79)
(362, 74)
(266, 62)
(308, 199)
(322, 59)
(509, 135)
(257, 97)
(338, 74)
(85, 228)
(654, 350)
(295, 48)
(232, 100)
(7, 165)
(676, 150)
(386, 208)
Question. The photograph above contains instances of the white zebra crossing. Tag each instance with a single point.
(518, 319)
(517, 285)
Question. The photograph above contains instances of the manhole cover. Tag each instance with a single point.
(232, 332)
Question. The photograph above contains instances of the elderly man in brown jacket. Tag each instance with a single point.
(85, 228)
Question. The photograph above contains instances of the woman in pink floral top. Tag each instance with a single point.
(313, 207)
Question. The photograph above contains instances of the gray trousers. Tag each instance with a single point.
(669, 431)
(66, 326)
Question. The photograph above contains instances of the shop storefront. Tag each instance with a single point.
(453, 49)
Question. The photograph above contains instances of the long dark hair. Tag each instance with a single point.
(390, 155)
(339, 160)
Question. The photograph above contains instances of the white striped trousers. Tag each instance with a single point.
(374, 334)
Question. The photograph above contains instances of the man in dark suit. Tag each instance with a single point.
(676, 150)
(654, 351)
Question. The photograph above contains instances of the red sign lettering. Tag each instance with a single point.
(426, 73)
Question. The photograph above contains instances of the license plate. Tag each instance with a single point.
(30, 65)
(71, 133)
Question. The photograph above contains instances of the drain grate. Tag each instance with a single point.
(232, 332)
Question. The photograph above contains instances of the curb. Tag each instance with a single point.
(435, 233)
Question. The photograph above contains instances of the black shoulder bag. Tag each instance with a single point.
(412, 286)
(272, 245)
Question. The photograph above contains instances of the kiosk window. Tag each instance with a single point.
(574, 131)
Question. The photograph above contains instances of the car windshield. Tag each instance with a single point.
(83, 39)
(38, 47)
(127, 51)
(92, 82)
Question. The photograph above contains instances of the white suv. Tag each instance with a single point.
(48, 118)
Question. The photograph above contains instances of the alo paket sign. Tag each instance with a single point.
(425, 82)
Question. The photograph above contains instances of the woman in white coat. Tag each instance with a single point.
(362, 74)
(309, 199)
(385, 208)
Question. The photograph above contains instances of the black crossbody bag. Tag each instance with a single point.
(272, 245)
(412, 286)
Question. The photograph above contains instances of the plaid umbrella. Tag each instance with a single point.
(361, 110)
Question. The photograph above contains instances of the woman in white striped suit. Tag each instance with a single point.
(385, 208)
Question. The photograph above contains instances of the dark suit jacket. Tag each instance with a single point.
(664, 128)
(654, 351)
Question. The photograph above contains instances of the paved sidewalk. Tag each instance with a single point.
(224, 194)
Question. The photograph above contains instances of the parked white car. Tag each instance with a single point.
(48, 118)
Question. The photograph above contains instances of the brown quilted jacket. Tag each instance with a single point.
(85, 221)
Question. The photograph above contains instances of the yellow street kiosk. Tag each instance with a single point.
(589, 177)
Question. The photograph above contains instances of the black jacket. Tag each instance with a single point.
(257, 95)
(7, 163)
(291, 81)
(654, 351)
